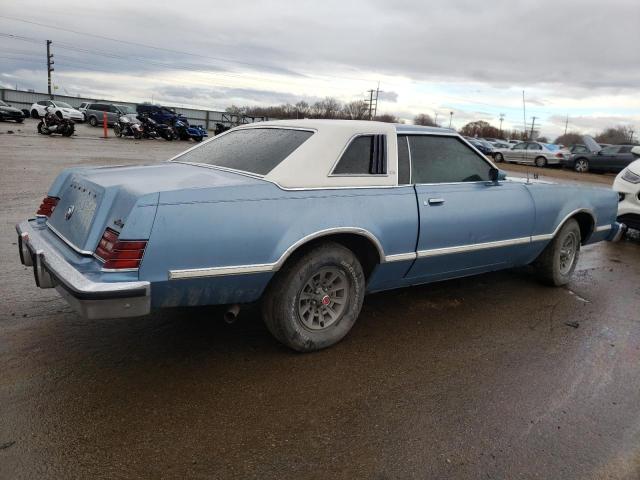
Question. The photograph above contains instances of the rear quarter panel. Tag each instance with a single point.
(255, 225)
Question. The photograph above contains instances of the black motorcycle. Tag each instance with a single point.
(153, 129)
(51, 123)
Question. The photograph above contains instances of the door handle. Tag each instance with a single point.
(434, 201)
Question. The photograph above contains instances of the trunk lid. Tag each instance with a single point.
(92, 199)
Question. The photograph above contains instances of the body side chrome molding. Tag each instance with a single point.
(275, 266)
(398, 257)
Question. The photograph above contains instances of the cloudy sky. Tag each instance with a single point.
(577, 58)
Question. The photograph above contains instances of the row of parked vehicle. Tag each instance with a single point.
(144, 121)
(589, 156)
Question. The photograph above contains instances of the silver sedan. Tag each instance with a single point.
(534, 153)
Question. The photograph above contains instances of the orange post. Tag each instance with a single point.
(104, 123)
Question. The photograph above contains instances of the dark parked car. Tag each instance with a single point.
(613, 158)
(161, 114)
(7, 112)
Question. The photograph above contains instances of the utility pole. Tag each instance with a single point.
(49, 67)
(501, 119)
(436, 119)
(566, 124)
(533, 122)
(373, 103)
(524, 118)
(450, 118)
(375, 109)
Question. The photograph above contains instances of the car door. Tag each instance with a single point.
(604, 159)
(622, 159)
(468, 224)
(534, 150)
(112, 114)
(518, 153)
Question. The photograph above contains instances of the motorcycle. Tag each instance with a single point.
(184, 131)
(128, 127)
(51, 123)
(153, 129)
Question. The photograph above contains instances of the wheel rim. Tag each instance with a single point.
(568, 251)
(323, 299)
(581, 166)
(499, 157)
(540, 162)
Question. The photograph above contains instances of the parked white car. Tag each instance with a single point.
(61, 109)
(627, 184)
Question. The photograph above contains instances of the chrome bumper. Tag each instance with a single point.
(617, 232)
(91, 299)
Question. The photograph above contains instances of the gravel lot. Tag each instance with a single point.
(493, 376)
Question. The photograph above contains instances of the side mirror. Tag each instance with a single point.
(494, 174)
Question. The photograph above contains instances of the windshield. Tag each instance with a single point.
(2, 104)
(253, 150)
(62, 104)
(126, 109)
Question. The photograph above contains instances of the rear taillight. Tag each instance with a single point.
(118, 254)
(559, 155)
(47, 206)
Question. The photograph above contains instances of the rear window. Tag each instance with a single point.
(253, 150)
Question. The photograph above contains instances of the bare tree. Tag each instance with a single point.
(568, 139)
(356, 110)
(616, 135)
(388, 118)
(425, 120)
(481, 129)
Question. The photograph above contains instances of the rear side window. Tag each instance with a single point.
(253, 150)
(625, 150)
(404, 166)
(440, 159)
(365, 155)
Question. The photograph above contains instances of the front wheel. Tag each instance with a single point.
(69, 130)
(558, 260)
(499, 158)
(581, 165)
(117, 130)
(42, 129)
(93, 121)
(198, 138)
(315, 299)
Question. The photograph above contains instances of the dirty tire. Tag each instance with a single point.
(282, 300)
(552, 266)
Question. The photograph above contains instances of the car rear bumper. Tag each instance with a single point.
(90, 298)
(617, 232)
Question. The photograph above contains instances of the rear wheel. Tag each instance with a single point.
(93, 121)
(541, 162)
(68, 131)
(499, 158)
(198, 138)
(581, 165)
(313, 302)
(42, 130)
(558, 260)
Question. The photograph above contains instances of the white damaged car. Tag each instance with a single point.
(61, 109)
(627, 184)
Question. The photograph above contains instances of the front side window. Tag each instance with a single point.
(444, 159)
(365, 155)
(253, 150)
(520, 146)
(533, 146)
(625, 150)
(610, 150)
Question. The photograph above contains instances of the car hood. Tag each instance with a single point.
(10, 109)
(635, 167)
(591, 144)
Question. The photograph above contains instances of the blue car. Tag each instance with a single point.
(306, 217)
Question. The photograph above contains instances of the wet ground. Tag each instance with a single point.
(493, 376)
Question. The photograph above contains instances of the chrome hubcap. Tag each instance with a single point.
(581, 166)
(568, 251)
(323, 299)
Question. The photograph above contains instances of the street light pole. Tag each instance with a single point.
(450, 118)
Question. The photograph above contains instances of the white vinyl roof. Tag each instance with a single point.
(312, 163)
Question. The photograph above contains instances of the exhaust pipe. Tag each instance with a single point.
(231, 315)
